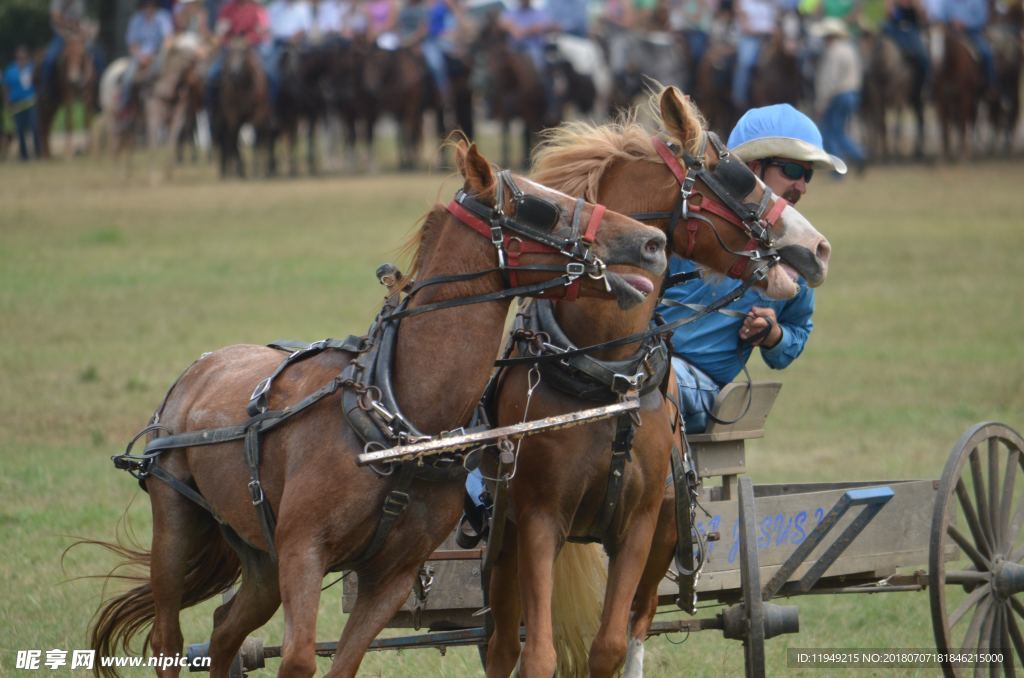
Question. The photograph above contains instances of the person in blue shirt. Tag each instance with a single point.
(784, 148)
(20, 94)
(150, 29)
(971, 17)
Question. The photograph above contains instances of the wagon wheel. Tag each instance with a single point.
(750, 575)
(978, 517)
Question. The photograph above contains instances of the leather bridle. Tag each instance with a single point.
(726, 186)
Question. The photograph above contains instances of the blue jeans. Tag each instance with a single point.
(833, 127)
(475, 486)
(910, 43)
(433, 53)
(697, 44)
(748, 50)
(26, 123)
(697, 393)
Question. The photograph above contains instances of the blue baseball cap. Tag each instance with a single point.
(781, 131)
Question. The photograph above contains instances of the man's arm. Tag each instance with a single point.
(795, 324)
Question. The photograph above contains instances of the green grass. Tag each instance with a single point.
(110, 287)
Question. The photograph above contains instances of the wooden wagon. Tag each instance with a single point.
(764, 542)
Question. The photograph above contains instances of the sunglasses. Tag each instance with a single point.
(793, 171)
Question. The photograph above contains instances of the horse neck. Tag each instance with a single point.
(594, 321)
(443, 358)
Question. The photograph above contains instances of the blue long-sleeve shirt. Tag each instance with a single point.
(712, 343)
(973, 14)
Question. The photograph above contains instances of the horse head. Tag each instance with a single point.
(733, 220)
(611, 255)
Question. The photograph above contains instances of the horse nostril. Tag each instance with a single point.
(655, 245)
(824, 251)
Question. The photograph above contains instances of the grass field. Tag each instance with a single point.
(109, 288)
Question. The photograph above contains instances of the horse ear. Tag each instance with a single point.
(475, 168)
(680, 118)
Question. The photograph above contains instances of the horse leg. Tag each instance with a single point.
(625, 568)
(252, 606)
(663, 548)
(301, 572)
(538, 547)
(68, 122)
(311, 145)
(380, 597)
(180, 529)
(504, 600)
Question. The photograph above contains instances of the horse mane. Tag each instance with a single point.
(414, 248)
(575, 155)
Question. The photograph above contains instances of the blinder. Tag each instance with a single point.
(537, 213)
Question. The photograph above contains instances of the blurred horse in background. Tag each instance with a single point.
(175, 98)
(892, 84)
(514, 89)
(958, 89)
(398, 83)
(301, 100)
(75, 81)
(244, 98)
(1004, 101)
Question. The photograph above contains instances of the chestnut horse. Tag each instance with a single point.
(244, 97)
(75, 79)
(561, 478)
(958, 85)
(327, 506)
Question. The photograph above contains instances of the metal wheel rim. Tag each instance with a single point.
(976, 600)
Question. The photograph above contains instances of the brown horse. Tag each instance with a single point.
(327, 506)
(561, 478)
(958, 89)
(515, 90)
(890, 87)
(244, 98)
(398, 82)
(75, 81)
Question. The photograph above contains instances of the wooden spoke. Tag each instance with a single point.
(981, 563)
(981, 500)
(1006, 501)
(995, 520)
(1015, 636)
(969, 602)
(972, 638)
(1017, 606)
(971, 518)
(1004, 643)
(995, 636)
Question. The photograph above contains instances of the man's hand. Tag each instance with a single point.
(759, 318)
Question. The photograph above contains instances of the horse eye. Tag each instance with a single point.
(537, 213)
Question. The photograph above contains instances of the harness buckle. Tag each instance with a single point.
(395, 503)
(256, 492)
(260, 390)
(575, 269)
(624, 383)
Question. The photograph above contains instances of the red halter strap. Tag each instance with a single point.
(515, 246)
(710, 204)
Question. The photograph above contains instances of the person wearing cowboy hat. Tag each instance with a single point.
(837, 90)
(784, 148)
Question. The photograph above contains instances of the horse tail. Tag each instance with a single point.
(579, 584)
(210, 571)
